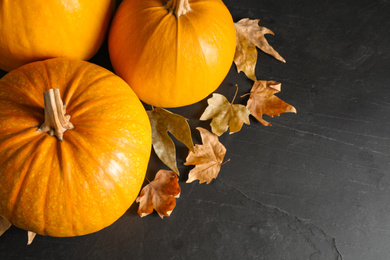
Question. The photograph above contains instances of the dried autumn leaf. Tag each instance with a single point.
(4, 225)
(207, 158)
(30, 235)
(163, 121)
(249, 35)
(160, 194)
(224, 115)
(262, 100)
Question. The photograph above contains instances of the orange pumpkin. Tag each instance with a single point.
(32, 30)
(172, 53)
(89, 179)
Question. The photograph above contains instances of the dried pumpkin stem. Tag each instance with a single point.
(56, 121)
(178, 7)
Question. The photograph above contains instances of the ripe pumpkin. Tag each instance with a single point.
(172, 53)
(89, 179)
(32, 30)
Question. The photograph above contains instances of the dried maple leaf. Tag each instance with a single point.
(225, 115)
(249, 35)
(160, 194)
(163, 121)
(30, 235)
(262, 100)
(4, 225)
(207, 158)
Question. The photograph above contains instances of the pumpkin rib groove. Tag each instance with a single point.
(20, 137)
(73, 83)
(47, 194)
(81, 147)
(92, 103)
(203, 57)
(150, 41)
(20, 191)
(85, 89)
(32, 111)
(75, 147)
(26, 94)
(81, 183)
(62, 165)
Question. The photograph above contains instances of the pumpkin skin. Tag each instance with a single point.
(87, 181)
(170, 61)
(32, 30)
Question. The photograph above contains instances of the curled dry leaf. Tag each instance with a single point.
(249, 35)
(224, 115)
(4, 225)
(31, 236)
(207, 158)
(262, 100)
(160, 194)
(163, 121)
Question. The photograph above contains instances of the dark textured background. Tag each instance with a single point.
(313, 186)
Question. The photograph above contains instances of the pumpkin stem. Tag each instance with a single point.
(56, 121)
(178, 7)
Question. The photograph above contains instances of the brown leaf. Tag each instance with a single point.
(208, 158)
(163, 121)
(31, 235)
(159, 194)
(262, 100)
(4, 225)
(249, 35)
(224, 115)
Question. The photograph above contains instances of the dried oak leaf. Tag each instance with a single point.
(262, 100)
(163, 121)
(160, 194)
(224, 115)
(207, 158)
(249, 35)
(4, 225)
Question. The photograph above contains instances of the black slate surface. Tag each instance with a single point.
(313, 186)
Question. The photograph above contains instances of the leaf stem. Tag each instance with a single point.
(246, 94)
(235, 95)
(228, 160)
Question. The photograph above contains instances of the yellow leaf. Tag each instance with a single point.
(163, 121)
(208, 158)
(4, 225)
(31, 236)
(249, 35)
(224, 115)
(262, 100)
(160, 194)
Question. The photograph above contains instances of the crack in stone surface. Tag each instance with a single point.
(304, 234)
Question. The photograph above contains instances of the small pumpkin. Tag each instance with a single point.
(88, 174)
(32, 30)
(172, 53)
